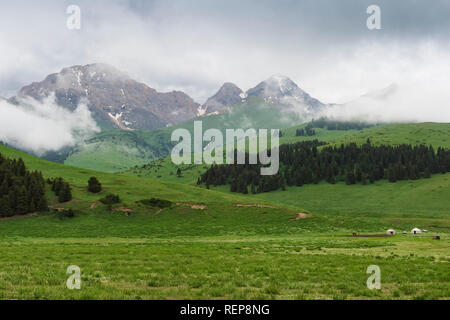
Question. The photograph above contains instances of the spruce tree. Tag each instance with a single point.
(65, 194)
(350, 178)
(94, 185)
(5, 207)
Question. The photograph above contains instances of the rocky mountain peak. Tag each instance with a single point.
(281, 90)
(114, 99)
(227, 95)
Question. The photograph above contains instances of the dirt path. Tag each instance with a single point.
(127, 211)
(300, 215)
(193, 206)
(254, 205)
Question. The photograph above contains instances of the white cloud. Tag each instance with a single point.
(44, 126)
(197, 46)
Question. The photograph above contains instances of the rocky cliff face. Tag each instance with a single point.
(115, 100)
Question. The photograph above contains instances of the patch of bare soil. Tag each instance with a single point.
(300, 215)
(93, 204)
(193, 206)
(198, 206)
(59, 209)
(33, 214)
(254, 205)
(127, 211)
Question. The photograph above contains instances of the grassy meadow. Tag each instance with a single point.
(211, 244)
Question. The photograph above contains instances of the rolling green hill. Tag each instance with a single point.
(419, 199)
(214, 245)
(435, 134)
(115, 150)
(430, 133)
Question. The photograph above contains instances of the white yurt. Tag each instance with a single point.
(390, 232)
(416, 231)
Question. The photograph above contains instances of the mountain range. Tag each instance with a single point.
(116, 101)
(135, 118)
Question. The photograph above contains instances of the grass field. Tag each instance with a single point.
(202, 268)
(212, 244)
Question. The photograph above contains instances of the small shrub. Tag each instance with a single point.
(94, 185)
(110, 199)
(64, 214)
(155, 202)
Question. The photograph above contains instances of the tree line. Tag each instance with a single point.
(308, 131)
(339, 125)
(21, 191)
(305, 163)
(324, 123)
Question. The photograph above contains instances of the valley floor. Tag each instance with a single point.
(295, 267)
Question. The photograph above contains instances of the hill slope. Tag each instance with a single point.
(420, 133)
(193, 249)
(113, 151)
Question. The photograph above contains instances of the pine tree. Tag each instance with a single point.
(21, 202)
(391, 175)
(4, 188)
(350, 178)
(21, 168)
(358, 174)
(363, 179)
(65, 194)
(5, 207)
(94, 185)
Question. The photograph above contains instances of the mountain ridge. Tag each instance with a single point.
(117, 101)
(114, 99)
(277, 90)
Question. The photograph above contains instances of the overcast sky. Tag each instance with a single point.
(196, 45)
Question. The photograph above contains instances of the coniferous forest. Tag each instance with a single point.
(21, 191)
(305, 163)
(324, 123)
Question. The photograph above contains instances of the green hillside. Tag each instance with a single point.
(216, 245)
(116, 150)
(131, 188)
(430, 133)
(435, 134)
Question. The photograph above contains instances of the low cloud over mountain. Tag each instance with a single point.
(409, 102)
(40, 126)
